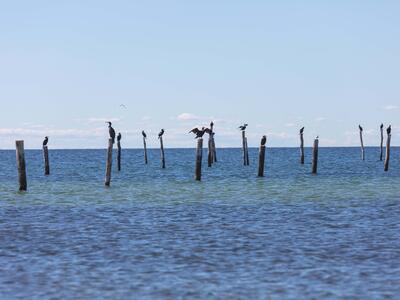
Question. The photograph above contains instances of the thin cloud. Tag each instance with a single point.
(390, 107)
(102, 120)
(187, 117)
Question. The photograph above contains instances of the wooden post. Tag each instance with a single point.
(145, 150)
(381, 156)
(315, 157)
(244, 146)
(261, 157)
(362, 145)
(162, 153)
(301, 148)
(247, 153)
(210, 151)
(119, 155)
(109, 162)
(387, 158)
(214, 149)
(199, 158)
(46, 160)
(20, 153)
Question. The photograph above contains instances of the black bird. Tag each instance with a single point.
(243, 127)
(119, 137)
(263, 140)
(361, 129)
(212, 124)
(389, 129)
(111, 132)
(199, 133)
(161, 133)
(46, 140)
(301, 130)
(381, 126)
(144, 134)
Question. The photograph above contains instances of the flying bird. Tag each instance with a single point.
(144, 134)
(301, 130)
(119, 137)
(46, 140)
(389, 129)
(263, 140)
(161, 133)
(199, 133)
(111, 131)
(359, 126)
(243, 127)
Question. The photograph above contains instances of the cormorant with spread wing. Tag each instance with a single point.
(199, 133)
(111, 131)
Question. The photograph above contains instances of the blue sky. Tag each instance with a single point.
(66, 66)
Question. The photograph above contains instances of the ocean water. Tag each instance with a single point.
(158, 234)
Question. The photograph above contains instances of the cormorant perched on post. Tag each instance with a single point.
(243, 127)
(199, 133)
(263, 140)
(359, 126)
(381, 126)
(119, 137)
(389, 129)
(46, 140)
(161, 133)
(301, 130)
(144, 134)
(111, 132)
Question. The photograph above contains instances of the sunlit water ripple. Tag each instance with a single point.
(158, 234)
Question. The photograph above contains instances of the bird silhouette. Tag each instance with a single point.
(111, 131)
(119, 137)
(263, 140)
(361, 129)
(161, 133)
(144, 134)
(301, 130)
(389, 129)
(198, 132)
(46, 140)
(243, 127)
(381, 126)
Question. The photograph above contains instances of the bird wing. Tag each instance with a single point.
(208, 130)
(194, 130)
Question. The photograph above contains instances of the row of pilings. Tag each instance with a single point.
(211, 157)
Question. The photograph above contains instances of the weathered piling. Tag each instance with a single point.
(315, 157)
(213, 147)
(387, 158)
(245, 149)
(199, 158)
(46, 160)
(362, 143)
(162, 153)
(261, 157)
(109, 162)
(20, 154)
(210, 151)
(302, 146)
(247, 154)
(119, 155)
(381, 155)
(145, 150)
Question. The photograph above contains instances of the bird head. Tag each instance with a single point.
(109, 124)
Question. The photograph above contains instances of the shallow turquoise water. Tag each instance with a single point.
(158, 234)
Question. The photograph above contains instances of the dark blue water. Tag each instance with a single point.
(158, 234)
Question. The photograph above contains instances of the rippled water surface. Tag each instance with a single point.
(158, 234)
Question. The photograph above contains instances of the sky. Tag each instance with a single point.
(67, 66)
